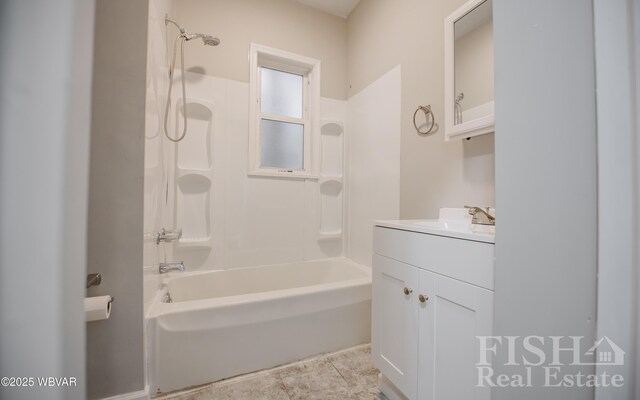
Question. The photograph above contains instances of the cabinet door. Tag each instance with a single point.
(394, 334)
(454, 314)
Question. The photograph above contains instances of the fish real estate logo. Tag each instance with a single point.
(551, 361)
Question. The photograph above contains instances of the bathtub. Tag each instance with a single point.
(226, 323)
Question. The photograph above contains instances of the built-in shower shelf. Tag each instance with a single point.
(335, 235)
(193, 171)
(330, 179)
(195, 150)
(194, 178)
(193, 158)
(330, 127)
(195, 242)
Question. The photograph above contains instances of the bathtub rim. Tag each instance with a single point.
(158, 308)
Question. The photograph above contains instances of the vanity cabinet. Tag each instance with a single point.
(425, 322)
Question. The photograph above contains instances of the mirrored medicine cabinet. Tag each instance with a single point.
(469, 86)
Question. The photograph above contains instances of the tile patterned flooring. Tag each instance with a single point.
(344, 375)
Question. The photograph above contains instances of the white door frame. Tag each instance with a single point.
(617, 27)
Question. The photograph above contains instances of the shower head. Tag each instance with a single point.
(207, 39)
(210, 40)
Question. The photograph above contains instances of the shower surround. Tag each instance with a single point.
(236, 224)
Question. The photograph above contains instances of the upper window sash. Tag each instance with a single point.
(304, 97)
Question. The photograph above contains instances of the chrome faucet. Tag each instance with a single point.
(166, 267)
(481, 216)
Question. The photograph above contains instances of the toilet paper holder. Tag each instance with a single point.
(93, 280)
(96, 280)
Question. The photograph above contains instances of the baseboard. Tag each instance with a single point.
(139, 395)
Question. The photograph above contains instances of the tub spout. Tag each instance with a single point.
(166, 267)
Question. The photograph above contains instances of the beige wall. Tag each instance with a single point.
(282, 24)
(115, 358)
(433, 173)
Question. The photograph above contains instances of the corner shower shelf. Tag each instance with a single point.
(337, 235)
(192, 171)
(195, 242)
(330, 208)
(328, 179)
(331, 180)
(194, 174)
(195, 151)
(331, 127)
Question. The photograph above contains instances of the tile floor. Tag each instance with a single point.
(345, 375)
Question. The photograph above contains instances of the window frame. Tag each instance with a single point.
(309, 68)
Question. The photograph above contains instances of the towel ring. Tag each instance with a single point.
(427, 112)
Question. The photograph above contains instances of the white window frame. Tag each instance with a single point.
(309, 68)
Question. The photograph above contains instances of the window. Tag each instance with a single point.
(284, 93)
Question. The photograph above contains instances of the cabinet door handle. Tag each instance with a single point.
(407, 291)
(423, 298)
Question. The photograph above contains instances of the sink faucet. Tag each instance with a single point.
(166, 267)
(481, 216)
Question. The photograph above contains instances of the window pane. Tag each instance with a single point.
(282, 145)
(281, 93)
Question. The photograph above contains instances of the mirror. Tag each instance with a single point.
(469, 105)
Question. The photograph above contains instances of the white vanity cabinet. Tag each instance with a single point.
(432, 296)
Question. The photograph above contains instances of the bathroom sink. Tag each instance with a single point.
(439, 224)
(458, 227)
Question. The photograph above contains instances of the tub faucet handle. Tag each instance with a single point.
(168, 235)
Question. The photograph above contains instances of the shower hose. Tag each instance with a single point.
(182, 39)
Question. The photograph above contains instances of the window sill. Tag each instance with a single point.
(290, 175)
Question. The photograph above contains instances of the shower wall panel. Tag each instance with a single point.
(230, 219)
(154, 162)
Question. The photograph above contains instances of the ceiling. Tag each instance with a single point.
(341, 8)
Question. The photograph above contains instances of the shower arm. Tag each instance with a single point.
(167, 20)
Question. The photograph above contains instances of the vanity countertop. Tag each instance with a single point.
(461, 229)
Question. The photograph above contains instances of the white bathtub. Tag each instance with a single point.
(225, 323)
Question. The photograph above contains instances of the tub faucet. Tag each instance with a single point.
(481, 216)
(166, 267)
